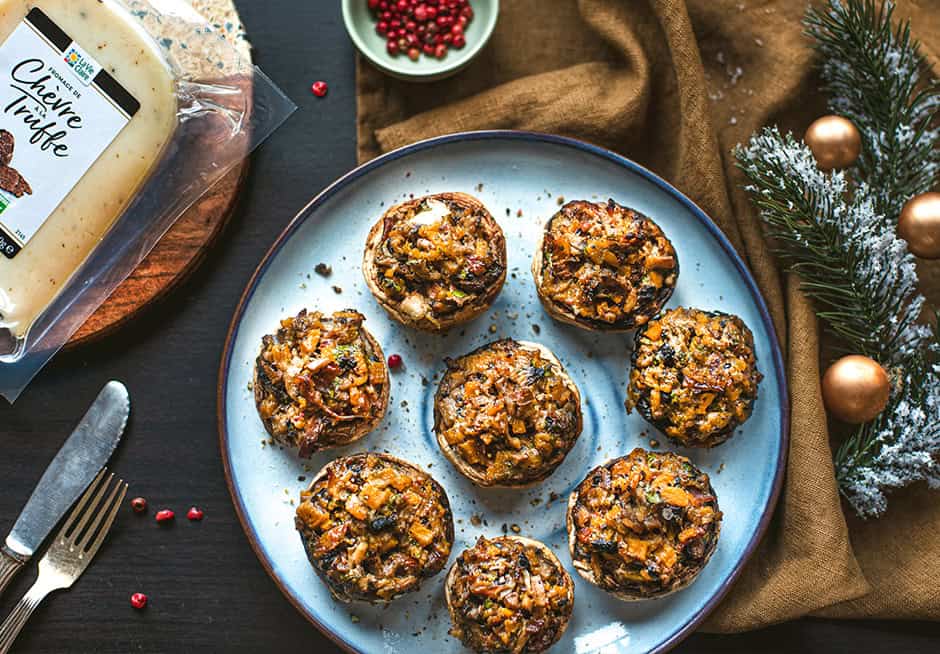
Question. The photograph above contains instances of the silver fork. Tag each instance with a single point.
(72, 550)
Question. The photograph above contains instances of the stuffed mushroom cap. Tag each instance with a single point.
(507, 414)
(320, 381)
(643, 525)
(509, 594)
(603, 267)
(435, 262)
(694, 375)
(374, 527)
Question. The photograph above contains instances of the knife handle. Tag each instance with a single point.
(10, 564)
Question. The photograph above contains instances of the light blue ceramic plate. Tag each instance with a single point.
(521, 177)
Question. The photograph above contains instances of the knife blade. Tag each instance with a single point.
(85, 452)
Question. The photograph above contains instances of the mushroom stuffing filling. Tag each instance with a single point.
(507, 412)
(606, 265)
(644, 524)
(694, 375)
(438, 256)
(374, 528)
(320, 380)
(507, 596)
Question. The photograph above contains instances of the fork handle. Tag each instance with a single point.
(11, 627)
(10, 564)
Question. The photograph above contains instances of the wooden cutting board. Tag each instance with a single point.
(186, 244)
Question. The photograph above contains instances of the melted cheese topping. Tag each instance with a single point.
(433, 211)
(30, 281)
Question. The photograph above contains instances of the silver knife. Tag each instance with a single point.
(73, 468)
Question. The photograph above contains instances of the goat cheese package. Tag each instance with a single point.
(111, 125)
(87, 104)
(63, 110)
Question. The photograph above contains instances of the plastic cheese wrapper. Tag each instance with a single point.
(115, 117)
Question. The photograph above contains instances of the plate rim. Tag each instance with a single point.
(531, 137)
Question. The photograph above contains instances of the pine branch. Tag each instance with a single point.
(841, 241)
(850, 262)
(872, 72)
(864, 284)
(900, 446)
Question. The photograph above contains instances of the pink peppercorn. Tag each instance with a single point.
(415, 26)
(138, 601)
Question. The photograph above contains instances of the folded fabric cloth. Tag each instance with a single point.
(674, 85)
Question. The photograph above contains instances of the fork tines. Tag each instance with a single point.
(89, 522)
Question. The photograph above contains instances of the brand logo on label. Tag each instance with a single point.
(84, 67)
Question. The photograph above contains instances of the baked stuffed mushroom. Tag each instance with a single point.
(603, 267)
(507, 413)
(694, 375)
(374, 527)
(435, 262)
(508, 595)
(321, 381)
(643, 525)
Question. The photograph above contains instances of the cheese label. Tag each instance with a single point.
(59, 110)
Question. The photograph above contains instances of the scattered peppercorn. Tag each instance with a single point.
(164, 515)
(194, 514)
(395, 361)
(323, 269)
(138, 601)
(319, 88)
(139, 504)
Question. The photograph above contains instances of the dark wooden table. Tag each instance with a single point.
(207, 591)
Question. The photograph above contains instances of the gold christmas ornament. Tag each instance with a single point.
(855, 389)
(919, 225)
(834, 141)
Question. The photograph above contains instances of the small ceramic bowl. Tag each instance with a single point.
(360, 23)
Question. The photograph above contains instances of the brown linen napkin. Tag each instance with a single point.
(675, 85)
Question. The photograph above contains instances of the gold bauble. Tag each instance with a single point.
(855, 389)
(919, 225)
(835, 142)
